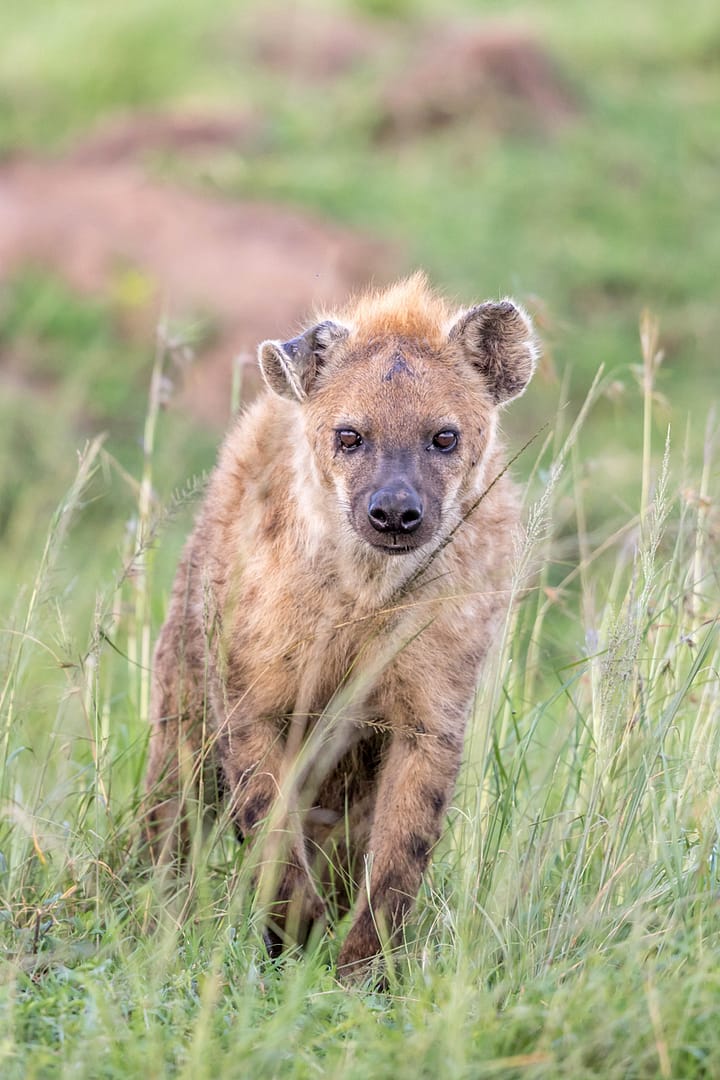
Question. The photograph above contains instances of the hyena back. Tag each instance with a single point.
(346, 576)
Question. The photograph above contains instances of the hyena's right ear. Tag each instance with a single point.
(291, 367)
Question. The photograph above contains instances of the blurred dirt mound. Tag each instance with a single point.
(130, 137)
(496, 74)
(313, 45)
(250, 270)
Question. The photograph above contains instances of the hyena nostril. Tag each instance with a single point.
(378, 517)
(410, 519)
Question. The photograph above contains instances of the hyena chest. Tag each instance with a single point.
(288, 654)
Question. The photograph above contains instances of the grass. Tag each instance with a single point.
(570, 923)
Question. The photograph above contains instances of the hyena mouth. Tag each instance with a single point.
(394, 546)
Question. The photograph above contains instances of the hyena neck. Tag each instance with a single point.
(374, 579)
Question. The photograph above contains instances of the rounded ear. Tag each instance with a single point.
(498, 339)
(290, 367)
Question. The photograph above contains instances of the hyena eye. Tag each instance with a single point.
(445, 441)
(349, 439)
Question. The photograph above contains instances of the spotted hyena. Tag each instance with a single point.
(346, 576)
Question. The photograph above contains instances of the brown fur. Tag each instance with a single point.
(323, 669)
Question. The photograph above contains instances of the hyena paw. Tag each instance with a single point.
(360, 957)
(295, 911)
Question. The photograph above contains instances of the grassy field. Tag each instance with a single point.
(570, 924)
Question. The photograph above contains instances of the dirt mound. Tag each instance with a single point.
(496, 74)
(312, 45)
(251, 270)
(130, 137)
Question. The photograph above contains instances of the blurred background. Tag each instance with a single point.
(195, 176)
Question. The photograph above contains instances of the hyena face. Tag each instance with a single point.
(399, 425)
(396, 439)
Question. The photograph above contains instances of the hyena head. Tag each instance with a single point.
(399, 396)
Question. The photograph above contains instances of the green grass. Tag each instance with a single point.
(570, 924)
(69, 375)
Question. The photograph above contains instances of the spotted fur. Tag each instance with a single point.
(323, 673)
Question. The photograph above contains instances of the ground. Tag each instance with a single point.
(248, 269)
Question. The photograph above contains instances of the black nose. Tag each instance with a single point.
(395, 508)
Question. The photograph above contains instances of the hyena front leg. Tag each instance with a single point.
(255, 764)
(415, 788)
(182, 763)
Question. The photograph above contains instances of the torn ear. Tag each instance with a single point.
(291, 367)
(498, 339)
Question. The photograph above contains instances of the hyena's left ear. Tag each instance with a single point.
(498, 339)
(291, 367)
